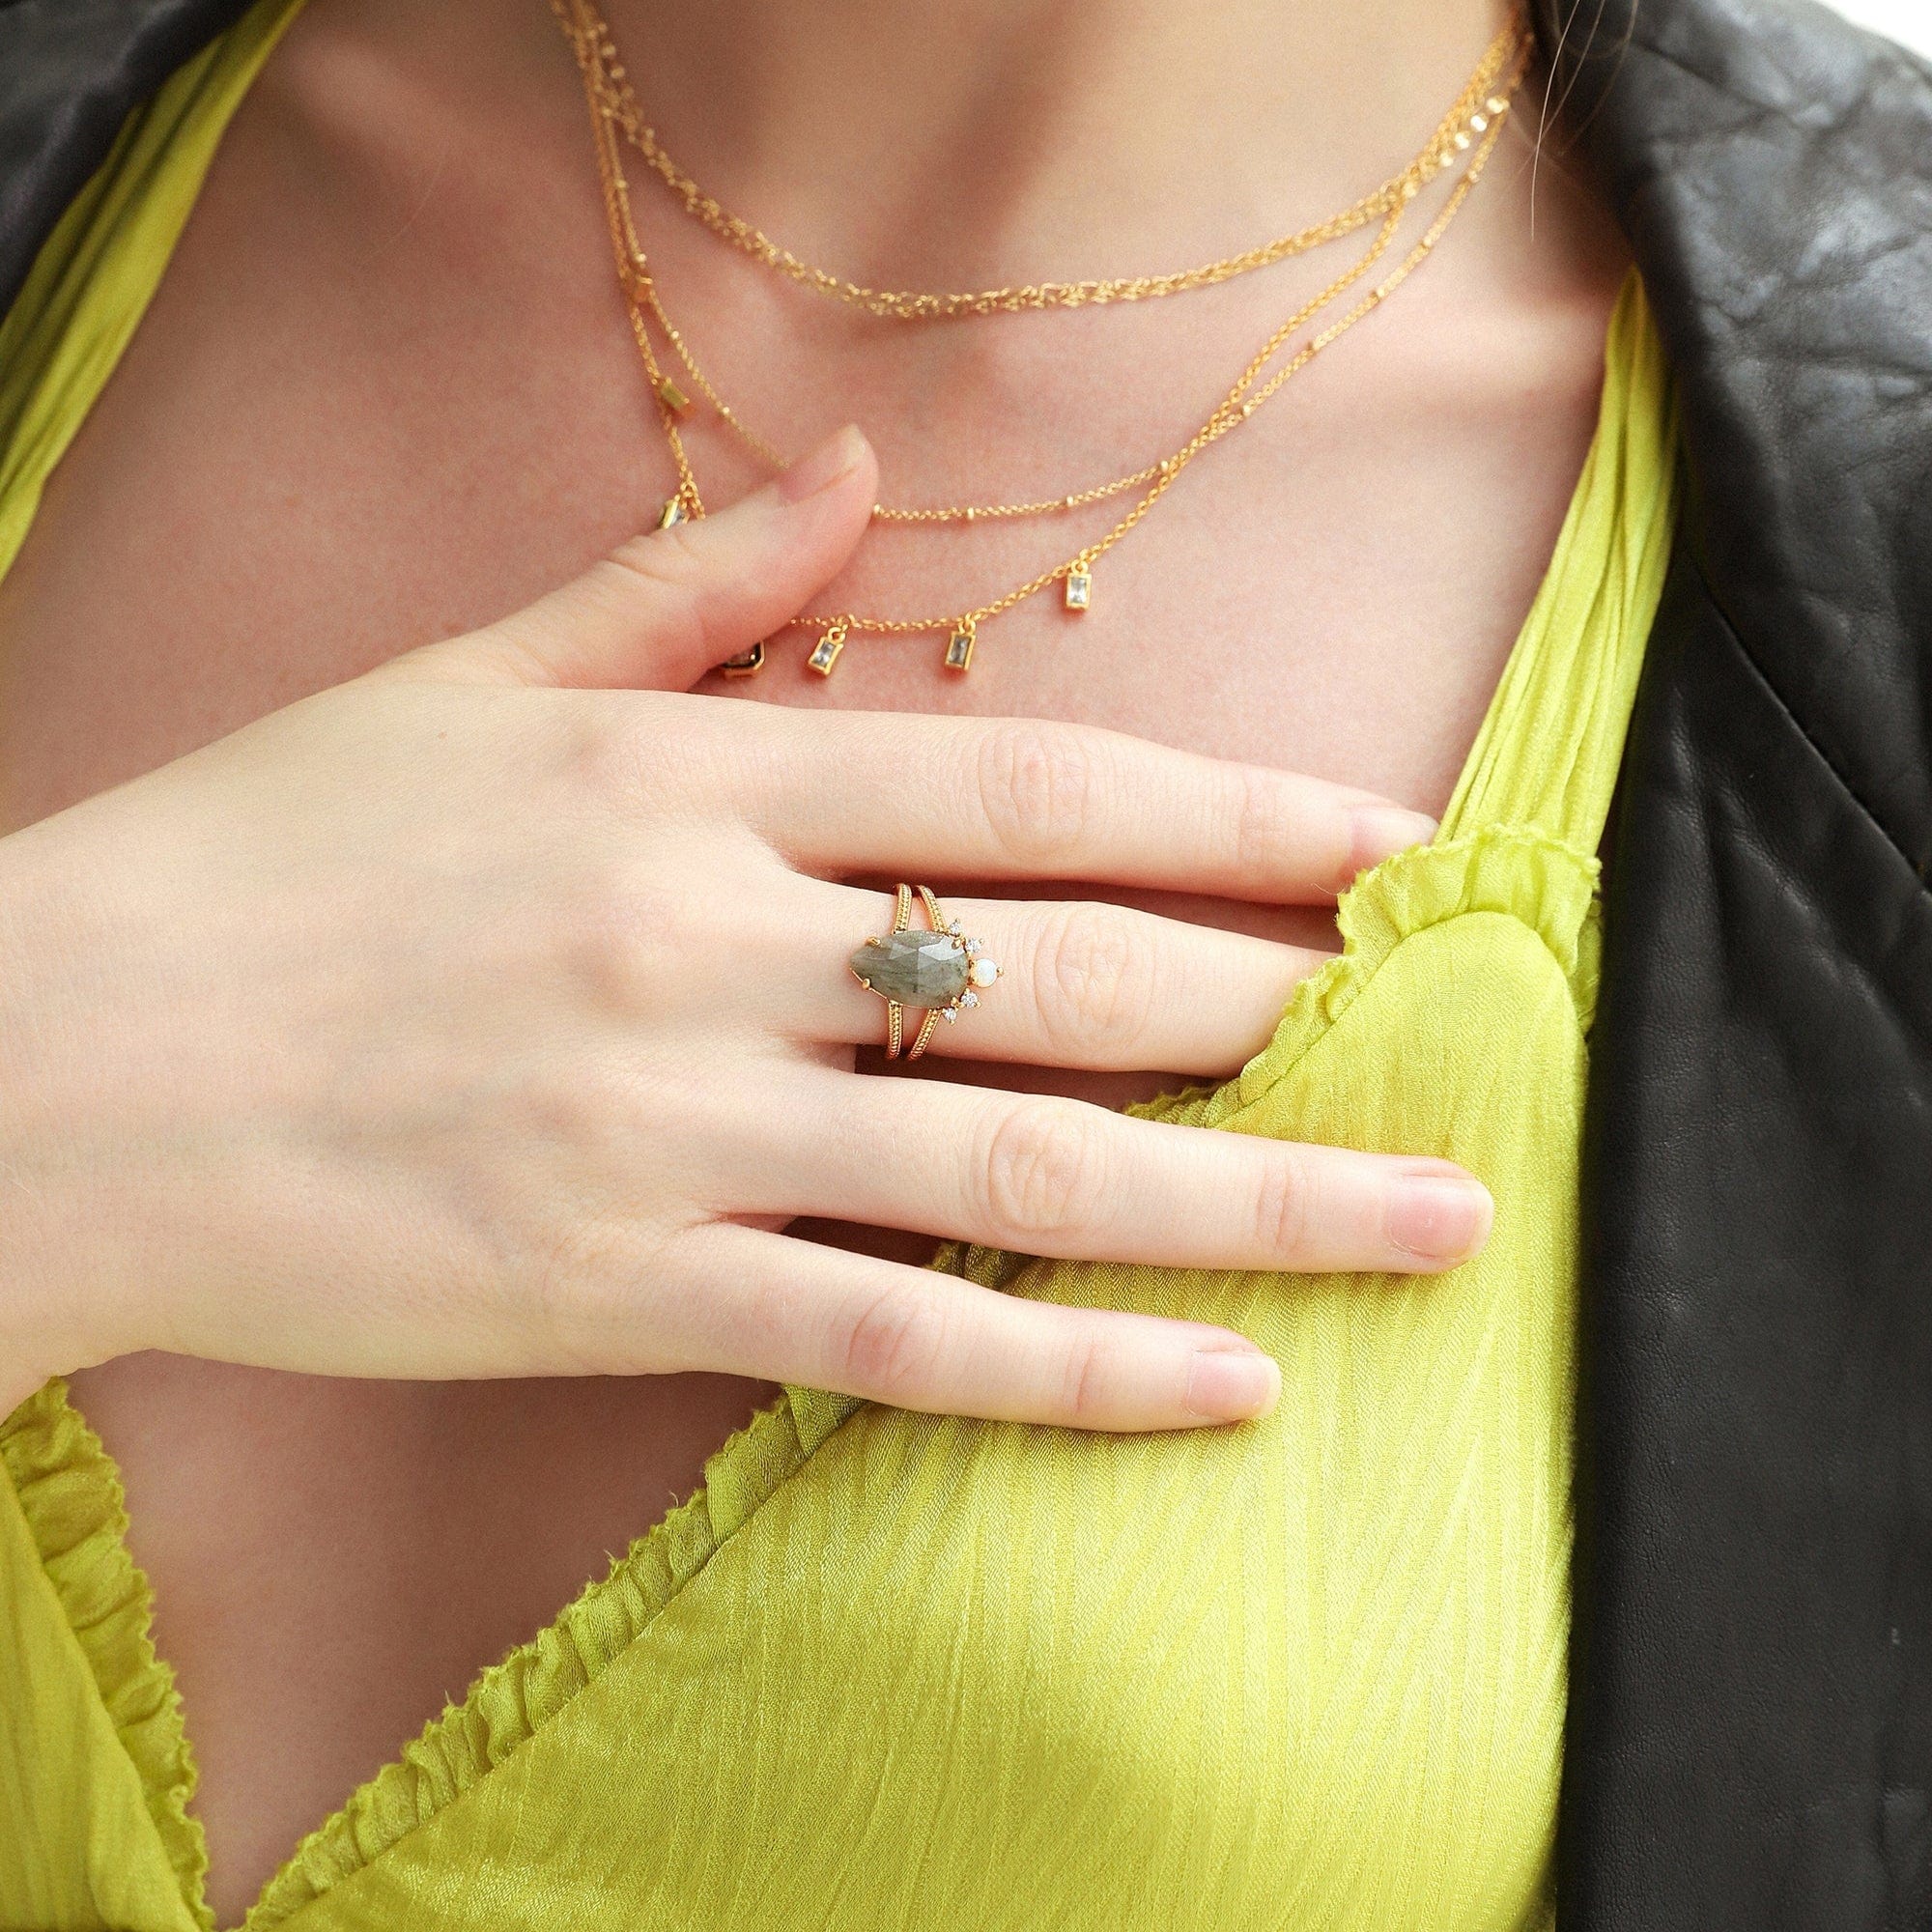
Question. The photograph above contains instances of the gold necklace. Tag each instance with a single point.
(591, 40)
(597, 54)
(643, 289)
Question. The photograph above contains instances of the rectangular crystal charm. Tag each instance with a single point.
(673, 397)
(959, 649)
(674, 512)
(825, 653)
(1079, 589)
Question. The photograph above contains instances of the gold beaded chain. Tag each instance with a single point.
(597, 52)
(646, 291)
(672, 403)
(1475, 132)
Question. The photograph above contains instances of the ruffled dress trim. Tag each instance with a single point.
(70, 1493)
(1520, 872)
(511, 1701)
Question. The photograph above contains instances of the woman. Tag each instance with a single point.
(484, 1014)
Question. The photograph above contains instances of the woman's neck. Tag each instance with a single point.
(996, 140)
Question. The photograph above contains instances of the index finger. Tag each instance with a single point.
(1020, 798)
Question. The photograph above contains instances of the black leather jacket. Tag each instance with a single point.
(1750, 1717)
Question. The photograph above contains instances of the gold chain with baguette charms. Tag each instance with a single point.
(1474, 125)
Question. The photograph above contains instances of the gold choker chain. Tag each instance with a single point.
(597, 53)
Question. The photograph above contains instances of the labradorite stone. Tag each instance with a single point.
(917, 969)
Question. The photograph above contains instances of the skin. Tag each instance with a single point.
(388, 383)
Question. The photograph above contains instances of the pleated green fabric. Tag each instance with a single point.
(894, 1670)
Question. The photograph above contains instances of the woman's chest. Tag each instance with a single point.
(335, 439)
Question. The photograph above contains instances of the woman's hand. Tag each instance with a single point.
(473, 1018)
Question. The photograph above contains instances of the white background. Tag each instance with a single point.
(1907, 20)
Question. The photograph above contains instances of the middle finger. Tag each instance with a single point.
(1040, 1175)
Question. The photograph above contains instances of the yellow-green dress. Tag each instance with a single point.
(894, 1670)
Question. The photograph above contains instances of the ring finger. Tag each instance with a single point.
(1081, 983)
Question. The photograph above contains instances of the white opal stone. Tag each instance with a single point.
(983, 972)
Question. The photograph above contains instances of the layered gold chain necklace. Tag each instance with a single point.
(1467, 134)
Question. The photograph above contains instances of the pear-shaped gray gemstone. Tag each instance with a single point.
(917, 969)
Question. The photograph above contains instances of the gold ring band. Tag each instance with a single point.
(939, 970)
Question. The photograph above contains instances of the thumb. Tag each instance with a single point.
(664, 606)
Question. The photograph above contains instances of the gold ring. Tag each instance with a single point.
(939, 970)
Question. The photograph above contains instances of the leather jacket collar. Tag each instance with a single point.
(1750, 1723)
(70, 72)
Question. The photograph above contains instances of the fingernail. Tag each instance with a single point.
(1437, 1219)
(1383, 829)
(819, 468)
(1227, 1384)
